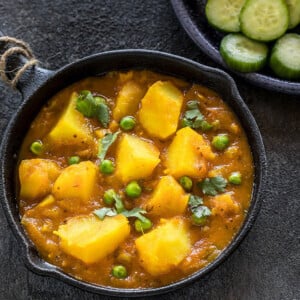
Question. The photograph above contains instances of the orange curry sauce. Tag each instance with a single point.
(207, 241)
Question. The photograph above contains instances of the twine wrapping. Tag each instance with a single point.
(19, 47)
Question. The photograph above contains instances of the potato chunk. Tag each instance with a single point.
(49, 200)
(160, 109)
(90, 239)
(127, 100)
(187, 154)
(135, 158)
(224, 205)
(36, 177)
(76, 182)
(71, 129)
(168, 199)
(164, 247)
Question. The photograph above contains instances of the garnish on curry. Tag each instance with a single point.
(134, 179)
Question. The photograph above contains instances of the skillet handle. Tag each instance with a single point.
(18, 66)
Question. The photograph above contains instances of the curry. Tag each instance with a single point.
(134, 179)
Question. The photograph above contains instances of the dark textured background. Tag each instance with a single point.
(267, 264)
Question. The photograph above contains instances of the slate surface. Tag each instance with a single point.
(267, 264)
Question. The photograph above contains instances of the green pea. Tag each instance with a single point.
(107, 167)
(141, 226)
(220, 141)
(109, 196)
(73, 160)
(127, 123)
(133, 189)
(186, 182)
(36, 147)
(119, 272)
(200, 221)
(235, 178)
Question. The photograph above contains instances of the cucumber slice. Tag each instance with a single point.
(264, 20)
(285, 56)
(243, 54)
(294, 12)
(224, 14)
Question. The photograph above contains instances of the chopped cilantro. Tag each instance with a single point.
(93, 107)
(213, 186)
(204, 126)
(195, 201)
(119, 203)
(105, 143)
(193, 104)
(85, 104)
(199, 211)
(194, 118)
(103, 114)
(200, 215)
(202, 211)
(105, 211)
(193, 113)
(136, 212)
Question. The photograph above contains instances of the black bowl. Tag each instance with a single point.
(191, 15)
(39, 85)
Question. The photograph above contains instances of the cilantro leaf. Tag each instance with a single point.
(135, 212)
(211, 186)
(85, 104)
(119, 203)
(199, 211)
(193, 113)
(193, 104)
(202, 211)
(198, 122)
(91, 107)
(204, 125)
(103, 114)
(195, 201)
(105, 211)
(105, 143)
(194, 118)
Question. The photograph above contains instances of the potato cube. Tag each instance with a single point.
(168, 198)
(76, 182)
(127, 100)
(72, 128)
(160, 109)
(90, 239)
(49, 200)
(135, 158)
(164, 247)
(224, 205)
(36, 177)
(187, 154)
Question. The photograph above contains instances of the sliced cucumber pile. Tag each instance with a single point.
(260, 22)
(224, 14)
(294, 12)
(243, 54)
(264, 20)
(285, 57)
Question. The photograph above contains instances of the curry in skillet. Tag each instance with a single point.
(134, 179)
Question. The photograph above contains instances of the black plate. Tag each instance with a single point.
(191, 14)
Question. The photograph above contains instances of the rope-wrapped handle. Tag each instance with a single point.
(14, 46)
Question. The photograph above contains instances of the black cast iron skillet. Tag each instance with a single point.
(38, 85)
